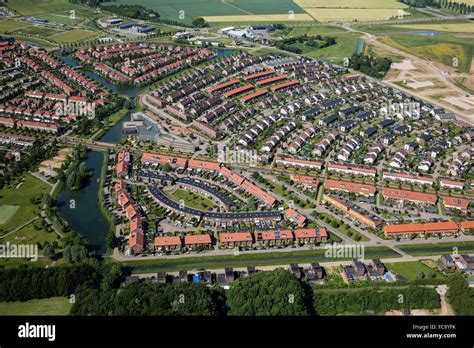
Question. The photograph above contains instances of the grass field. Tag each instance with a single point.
(73, 35)
(411, 270)
(31, 187)
(61, 18)
(192, 199)
(29, 235)
(11, 25)
(38, 30)
(245, 259)
(6, 212)
(47, 306)
(435, 249)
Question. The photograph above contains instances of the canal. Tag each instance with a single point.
(81, 207)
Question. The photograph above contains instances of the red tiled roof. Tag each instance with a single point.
(223, 85)
(204, 165)
(311, 233)
(258, 192)
(392, 193)
(238, 90)
(253, 95)
(271, 79)
(260, 74)
(363, 189)
(295, 216)
(197, 239)
(467, 224)
(273, 235)
(235, 237)
(284, 85)
(456, 202)
(167, 241)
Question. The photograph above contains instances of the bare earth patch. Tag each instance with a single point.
(405, 65)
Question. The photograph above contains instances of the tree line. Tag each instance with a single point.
(459, 7)
(316, 41)
(98, 290)
(29, 282)
(373, 66)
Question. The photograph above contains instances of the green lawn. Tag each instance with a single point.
(191, 199)
(30, 235)
(246, 259)
(6, 212)
(73, 35)
(346, 44)
(47, 306)
(437, 249)
(411, 270)
(31, 187)
(38, 30)
(63, 18)
(10, 25)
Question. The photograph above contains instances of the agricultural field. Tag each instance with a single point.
(47, 306)
(21, 196)
(215, 10)
(462, 27)
(347, 10)
(377, 4)
(37, 7)
(349, 15)
(259, 18)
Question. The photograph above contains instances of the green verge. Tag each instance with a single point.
(47, 306)
(102, 208)
(437, 249)
(245, 259)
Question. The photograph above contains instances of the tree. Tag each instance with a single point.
(267, 293)
(71, 180)
(252, 205)
(75, 253)
(200, 22)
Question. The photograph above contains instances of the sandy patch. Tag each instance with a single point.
(422, 84)
(57, 161)
(461, 102)
(405, 65)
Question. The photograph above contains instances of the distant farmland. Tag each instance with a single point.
(170, 9)
(350, 10)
